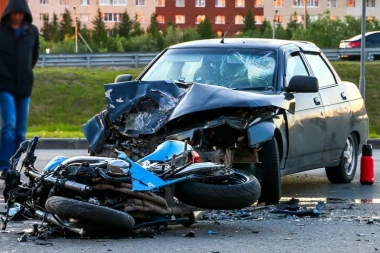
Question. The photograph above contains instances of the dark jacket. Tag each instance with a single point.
(18, 54)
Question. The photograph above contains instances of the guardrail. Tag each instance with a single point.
(136, 60)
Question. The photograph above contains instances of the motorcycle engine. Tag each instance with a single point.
(80, 173)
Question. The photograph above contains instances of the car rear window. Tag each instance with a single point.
(233, 68)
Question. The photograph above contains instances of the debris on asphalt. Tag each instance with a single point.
(43, 243)
(292, 207)
(210, 232)
(23, 238)
(190, 234)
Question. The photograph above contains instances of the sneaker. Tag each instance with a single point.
(3, 174)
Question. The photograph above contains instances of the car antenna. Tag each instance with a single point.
(225, 33)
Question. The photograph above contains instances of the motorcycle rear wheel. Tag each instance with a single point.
(89, 213)
(241, 190)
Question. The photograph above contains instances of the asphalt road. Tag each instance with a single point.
(349, 223)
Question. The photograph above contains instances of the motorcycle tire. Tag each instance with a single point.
(241, 190)
(89, 213)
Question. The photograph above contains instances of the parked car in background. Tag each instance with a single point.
(270, 107)
(372, 40)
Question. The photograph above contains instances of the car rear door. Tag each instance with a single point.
(306, 127)
(336, 104)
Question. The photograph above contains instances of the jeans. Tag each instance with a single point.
(14, 117)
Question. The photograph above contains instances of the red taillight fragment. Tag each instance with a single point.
(354, 44)
(194, 157)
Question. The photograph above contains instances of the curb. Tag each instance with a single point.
(80, 143)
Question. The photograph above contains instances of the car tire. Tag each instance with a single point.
(271, 177)
(345, 171)
(371, 57)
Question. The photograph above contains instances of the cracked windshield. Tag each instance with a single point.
(234, 68)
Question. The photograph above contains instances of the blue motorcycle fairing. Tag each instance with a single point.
(144, 180)
(165, 151)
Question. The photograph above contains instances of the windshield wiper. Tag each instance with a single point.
(255, 88)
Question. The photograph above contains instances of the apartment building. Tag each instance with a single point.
(86, 10)
(223, 14)
(337, 8)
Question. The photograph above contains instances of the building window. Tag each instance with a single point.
(350, 3)
(111, 17)
(64, 2)
(220, 19)
(44, 16)
(200, 3)
(84, 18)
(60, 17)
(279, 19)
(160, 3)
(84, 2)
(161, 19)
(239, 3)
(309, 3)
(313, 18)
(141, 18)
(140, 2)
(278, 3)
(259, 3)
(219, 33)
(298, 18)
(239, 20)
(179, 3)
(259, 19)
(333, 18)
(199, 18)
(220, 3)
(113, 2)
(331, 3)
(44, 1)
(180, 19)
(371, 3)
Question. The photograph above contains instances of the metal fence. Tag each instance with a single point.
(136, 60)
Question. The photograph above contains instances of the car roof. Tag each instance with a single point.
(245, 43)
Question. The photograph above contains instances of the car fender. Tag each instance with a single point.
(261, 132)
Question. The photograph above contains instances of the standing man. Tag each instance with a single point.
(19, 47)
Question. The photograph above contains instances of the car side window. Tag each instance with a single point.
(320, 69)
(295, 67)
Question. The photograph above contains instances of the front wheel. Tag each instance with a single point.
(240, 190)
(345, 171)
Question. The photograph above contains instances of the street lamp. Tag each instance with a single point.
(76, 30)
(274, 24)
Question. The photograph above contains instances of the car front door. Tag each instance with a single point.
(335, 99)
(306, 127)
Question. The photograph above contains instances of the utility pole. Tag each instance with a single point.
(76, 30)
(305, 13)
(362, 51)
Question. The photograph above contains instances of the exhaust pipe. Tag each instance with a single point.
(50, 218)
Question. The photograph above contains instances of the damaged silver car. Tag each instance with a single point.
(270, 107)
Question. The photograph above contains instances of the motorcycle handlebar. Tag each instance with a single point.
(63, 183)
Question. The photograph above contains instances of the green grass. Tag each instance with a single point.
(64, 99)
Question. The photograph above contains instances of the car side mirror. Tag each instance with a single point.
(123, 78)
(303, 84)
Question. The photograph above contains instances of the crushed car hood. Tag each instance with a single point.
(148, 105)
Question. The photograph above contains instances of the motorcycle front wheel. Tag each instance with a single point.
(87, 213)
(240, 190)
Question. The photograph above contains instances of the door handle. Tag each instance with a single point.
(343, 95)
(317, 101)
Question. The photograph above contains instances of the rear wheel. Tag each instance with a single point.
(240, 190)
(89, 213)
(345, 171)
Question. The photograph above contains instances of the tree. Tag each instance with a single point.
(99, 32)
(125, 26)
(204, 29)
(136, 28)
(83, 30)
(153, 27)
(46, 29)
(249, 22)
(66, 25)
(190, 34)
(56, 37)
